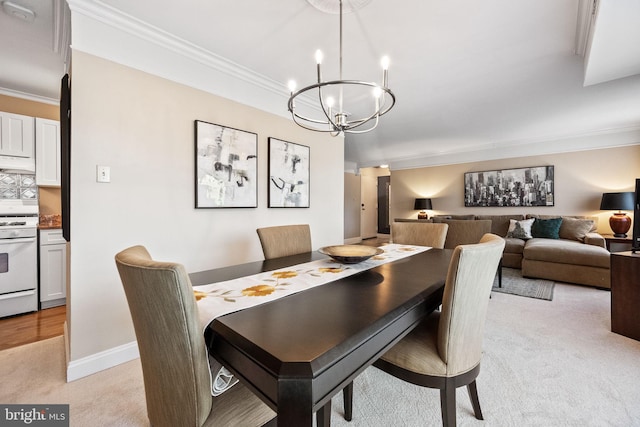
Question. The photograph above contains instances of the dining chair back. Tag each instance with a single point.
(173, 353)
(465, 232)
(419, 233)
(285, 240)
(445, 349)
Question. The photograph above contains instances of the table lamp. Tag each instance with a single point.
(620, 223)
(422, 205)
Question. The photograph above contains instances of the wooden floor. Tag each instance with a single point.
(376, 241)
(32, 327)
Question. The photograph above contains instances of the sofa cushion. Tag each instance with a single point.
(464, 232)
(513, 245)
(520, 229)
(546, 228)
(593, 218)
(575, 228)
(566, 252)
(500, 223)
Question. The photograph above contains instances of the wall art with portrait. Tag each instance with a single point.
(288, 174)
(226, 167)
(531, 186)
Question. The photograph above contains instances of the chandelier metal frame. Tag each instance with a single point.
(338, 122)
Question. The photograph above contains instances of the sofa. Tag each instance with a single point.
(576, 253)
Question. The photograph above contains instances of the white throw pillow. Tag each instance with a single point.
(520, 229)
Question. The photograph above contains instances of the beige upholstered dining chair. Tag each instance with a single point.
(465, 232)
(419, 233)
(174, 359)
(285, 240)
(445, 349)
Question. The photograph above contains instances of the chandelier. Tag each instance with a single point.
(367, 100)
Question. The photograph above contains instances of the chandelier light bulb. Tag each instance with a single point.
(292, 86)
(330, 101)
(385, 62)
(319, 57)
(377, 92)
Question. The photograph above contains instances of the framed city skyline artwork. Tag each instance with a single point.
(226, 167)
(288, 174)
(530, 186)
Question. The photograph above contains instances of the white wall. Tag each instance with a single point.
(142, 127)
(352, 208)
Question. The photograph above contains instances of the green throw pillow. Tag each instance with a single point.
(546, 228)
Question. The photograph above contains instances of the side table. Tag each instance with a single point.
(625, 294)
(618, 244)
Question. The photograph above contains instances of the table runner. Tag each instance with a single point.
(225, 297)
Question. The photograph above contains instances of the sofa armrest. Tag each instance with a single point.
(595, 239)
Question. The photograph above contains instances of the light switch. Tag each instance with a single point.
(103, 173)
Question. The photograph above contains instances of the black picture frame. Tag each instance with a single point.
(289, 174)
(226, 167)
(529, 186)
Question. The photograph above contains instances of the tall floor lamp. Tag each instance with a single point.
(619, 222)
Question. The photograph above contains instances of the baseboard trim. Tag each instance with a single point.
(89, 365)
(353, 240)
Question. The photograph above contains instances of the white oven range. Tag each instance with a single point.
(18, 257)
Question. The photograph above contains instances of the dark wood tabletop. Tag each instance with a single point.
(298, 351)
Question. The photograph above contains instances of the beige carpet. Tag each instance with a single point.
(35, 374)
(545, 364)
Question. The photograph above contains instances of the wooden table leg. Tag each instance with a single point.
(295, 404)
(323, 416)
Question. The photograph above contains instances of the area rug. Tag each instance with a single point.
(513, 283)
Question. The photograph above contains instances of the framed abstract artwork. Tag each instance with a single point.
(531, 186)
(226, 167)
(288, 174)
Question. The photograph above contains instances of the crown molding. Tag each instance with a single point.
(28, 96)
(62, 32)
(138, 29)
(586, 12)
(594, 140)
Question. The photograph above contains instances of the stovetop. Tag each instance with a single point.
(18, 214)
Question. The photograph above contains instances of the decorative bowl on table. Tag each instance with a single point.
(350, 254)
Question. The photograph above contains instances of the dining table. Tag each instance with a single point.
(297, 352)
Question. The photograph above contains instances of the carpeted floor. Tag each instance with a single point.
(545, 364)
(513, 283)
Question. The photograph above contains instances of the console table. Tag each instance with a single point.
(625, 294)
(618, 244)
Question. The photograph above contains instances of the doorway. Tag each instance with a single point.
(375, 189)
(384, 189)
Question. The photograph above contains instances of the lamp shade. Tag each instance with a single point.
(421, 204)
(615, 201)
(619, 222)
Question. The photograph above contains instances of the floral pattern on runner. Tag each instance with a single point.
(225, 297)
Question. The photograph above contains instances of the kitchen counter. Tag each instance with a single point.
(50, 222)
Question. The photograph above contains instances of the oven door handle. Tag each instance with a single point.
(17, 294)
(18, 240)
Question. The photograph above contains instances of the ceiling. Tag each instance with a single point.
(469, 76)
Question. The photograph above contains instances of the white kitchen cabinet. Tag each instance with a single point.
(53, 268)
(48, 166)
(16, 135)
